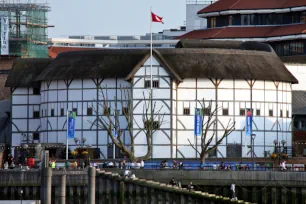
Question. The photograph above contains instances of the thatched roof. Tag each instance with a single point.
(224, 44)
(106, 63)
(25, 71)
(180, 63)
(227, 64)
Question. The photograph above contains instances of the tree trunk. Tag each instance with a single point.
(203, 157)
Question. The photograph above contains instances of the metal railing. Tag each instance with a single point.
(200, 1)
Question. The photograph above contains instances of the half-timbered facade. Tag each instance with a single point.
(233, 79)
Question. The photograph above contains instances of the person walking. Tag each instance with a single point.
(233, 186)
(283, 165)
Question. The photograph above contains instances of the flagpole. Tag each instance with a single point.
(67, 137)
(151, 50)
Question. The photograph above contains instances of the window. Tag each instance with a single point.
(75, 110)
(147, 84)
(230, 20)
(225, 111)
(36, 136)
(186, 111)
(62, 112)
(125, 111)
(156, 125)
(106, 111)
(281, 113)
(89, 111)
(36, 114)
(154, 85)
(207, 111)
(270, 112)
(52, 112)
(257, 112)
(287, 114)
(242, 111)
(213, 22)
(36, 91)
(42, 113)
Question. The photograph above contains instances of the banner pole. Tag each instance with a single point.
(67, 136)
(151, 49)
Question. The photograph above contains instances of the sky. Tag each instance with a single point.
(112, 17)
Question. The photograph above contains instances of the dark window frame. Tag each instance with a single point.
(36, 91)
(257, 112)
(62, 112)
(242, 112)
(89, 111)
(36, 136)
(36, 114)
(270, 112)
(105, 112)
(225, 111)
(186, 111)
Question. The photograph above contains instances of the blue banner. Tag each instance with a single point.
(71, 124)
(249, 121)
(198, 122)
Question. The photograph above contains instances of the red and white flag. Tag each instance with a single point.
(156, 18)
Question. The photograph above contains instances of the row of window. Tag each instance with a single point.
(257, 19)
(186, 111)
(106, 111)
(155, 84)
(287, 48)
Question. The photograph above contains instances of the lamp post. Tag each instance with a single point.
(21, 192)
(253, 149)
(278, 148)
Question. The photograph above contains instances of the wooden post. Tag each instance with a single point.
(91, 185)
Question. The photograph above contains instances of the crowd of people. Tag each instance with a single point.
(175, 165)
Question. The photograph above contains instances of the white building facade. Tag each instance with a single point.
(71, 81)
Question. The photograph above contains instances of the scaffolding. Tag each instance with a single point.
(28, 27)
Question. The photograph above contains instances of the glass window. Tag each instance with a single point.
(242, 111)
(36, 91)
(36, 136)
(89, 111)
(186, 111)
(36, 114)
(62, 112)
(52, 112)
(225, 111)
(257, 112)
(270, 112)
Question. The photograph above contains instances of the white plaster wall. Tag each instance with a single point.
(299, 71)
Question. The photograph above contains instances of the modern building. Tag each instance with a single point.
(233, 75)
(163, 39)
(23, 34)
(282, 24)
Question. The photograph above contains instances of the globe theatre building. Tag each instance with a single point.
(233, 75)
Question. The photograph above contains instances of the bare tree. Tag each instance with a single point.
(210, 123)
(152, 119)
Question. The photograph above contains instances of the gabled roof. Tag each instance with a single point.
(25, 71)
(246, 32)
(225, 5)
